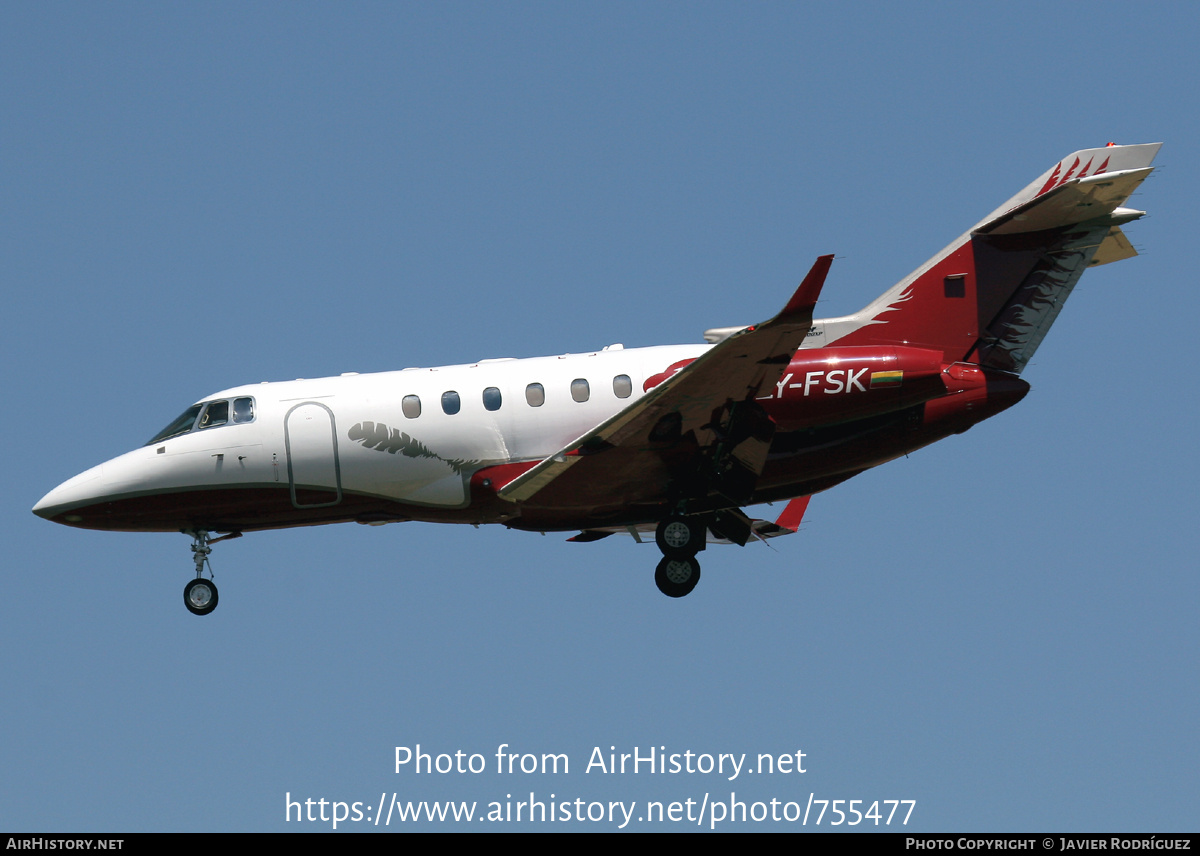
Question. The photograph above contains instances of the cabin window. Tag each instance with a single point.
(410, 406)
(622, 386)
(243, 410)
(580, 390)
(491, 398)
(217, 413)
(451, 403)
(535, 394)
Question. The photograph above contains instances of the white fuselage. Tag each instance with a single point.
(301, 432)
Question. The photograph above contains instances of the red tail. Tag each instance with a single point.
(990, 297)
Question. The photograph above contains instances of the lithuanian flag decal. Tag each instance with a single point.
(885, 379)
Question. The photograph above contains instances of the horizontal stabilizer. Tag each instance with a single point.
(1077, 201)
(1106, 160)
(1113, 248)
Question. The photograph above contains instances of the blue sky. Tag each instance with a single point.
(1001, 627)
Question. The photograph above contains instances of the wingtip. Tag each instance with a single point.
(793, 514)
(805, 299)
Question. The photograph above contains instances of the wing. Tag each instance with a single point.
(787, 524)
(698, 437)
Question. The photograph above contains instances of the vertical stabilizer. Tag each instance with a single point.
(991, 296)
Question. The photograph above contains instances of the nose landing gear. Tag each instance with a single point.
(200, 595)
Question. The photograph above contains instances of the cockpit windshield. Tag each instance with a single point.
(207, 414)
(178, 426)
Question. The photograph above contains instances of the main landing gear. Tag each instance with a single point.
(680, 539)
(200, 595)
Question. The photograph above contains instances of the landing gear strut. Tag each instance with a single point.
(680, 539)
(200, 595)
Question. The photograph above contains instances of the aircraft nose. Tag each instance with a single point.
(71, 494)
(42, 507)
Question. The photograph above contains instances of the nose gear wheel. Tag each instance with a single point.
(200, 596)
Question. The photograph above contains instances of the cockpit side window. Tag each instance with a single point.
(180, 425)
(216, 413)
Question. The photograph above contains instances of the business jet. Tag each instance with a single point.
(669, 442)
